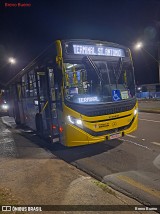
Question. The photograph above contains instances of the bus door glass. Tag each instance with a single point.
(56, 105)
(43, 97)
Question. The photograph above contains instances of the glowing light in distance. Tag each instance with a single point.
(12, 60)
(138, 46)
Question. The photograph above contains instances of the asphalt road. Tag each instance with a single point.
(149, 104)
(142, 161)
(130, 164)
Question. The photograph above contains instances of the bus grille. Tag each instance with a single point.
(110, 110)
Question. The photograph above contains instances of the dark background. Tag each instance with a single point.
(25, 32)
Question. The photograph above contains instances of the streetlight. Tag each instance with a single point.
(139, 45)
(12, 60)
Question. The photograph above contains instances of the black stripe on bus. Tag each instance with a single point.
(107, 119)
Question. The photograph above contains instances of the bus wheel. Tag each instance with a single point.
(39, 123)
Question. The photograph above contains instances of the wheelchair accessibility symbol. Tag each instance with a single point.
(116, 95)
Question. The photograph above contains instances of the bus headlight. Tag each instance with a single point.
(135, 111)
(79, 122)
(74, 121)
(5, 107)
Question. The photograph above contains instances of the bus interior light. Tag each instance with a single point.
(70, 66)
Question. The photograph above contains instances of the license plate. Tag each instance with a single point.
(114, 136)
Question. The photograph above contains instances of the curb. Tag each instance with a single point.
(149, 111)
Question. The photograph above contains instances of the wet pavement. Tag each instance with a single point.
(7, 144)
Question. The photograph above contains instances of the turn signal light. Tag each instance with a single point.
(61, 129)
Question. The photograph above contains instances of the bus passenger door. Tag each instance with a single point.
(56, 106)
(43, 118)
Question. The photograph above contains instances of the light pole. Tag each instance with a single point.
(139, 45)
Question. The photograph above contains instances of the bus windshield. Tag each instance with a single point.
(95, 82)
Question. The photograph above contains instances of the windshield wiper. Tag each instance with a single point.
(119, 70)
(93, 65)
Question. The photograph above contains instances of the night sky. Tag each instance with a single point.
(26, 31)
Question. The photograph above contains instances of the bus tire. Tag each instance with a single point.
(39, 123)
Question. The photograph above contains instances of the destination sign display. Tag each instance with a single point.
(100, 50)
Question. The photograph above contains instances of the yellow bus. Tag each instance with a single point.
(78, 92)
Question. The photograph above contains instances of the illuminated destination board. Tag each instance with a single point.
(98, 50)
